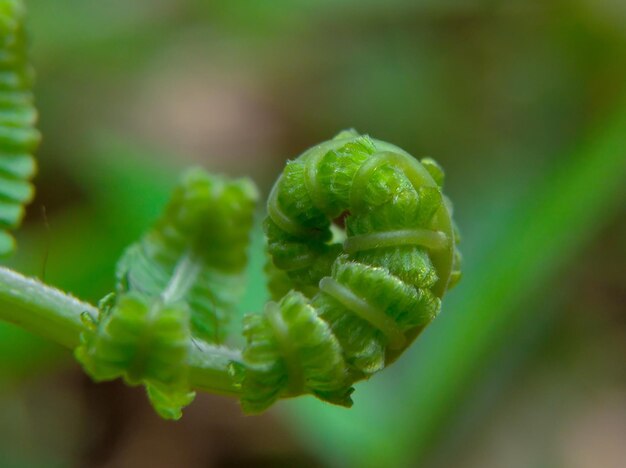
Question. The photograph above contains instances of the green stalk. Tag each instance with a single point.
(41, 309)
(209, 368)
(57, 316)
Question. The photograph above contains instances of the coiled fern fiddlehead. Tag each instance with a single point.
(359, 299)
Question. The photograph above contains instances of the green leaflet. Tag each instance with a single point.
(290, 351)
(140, 340)
(18, 136)
(197, 251)
(168, 403)
(368, 309)
(180, 282)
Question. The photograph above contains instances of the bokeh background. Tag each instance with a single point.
(523, 102)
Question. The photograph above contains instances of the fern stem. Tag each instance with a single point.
(420, 237)
(41, 309)
(185, 276)
(209, 368)
(57, 316)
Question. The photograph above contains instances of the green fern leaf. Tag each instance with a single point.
(179, 283)
(18, 136)
(197, 251)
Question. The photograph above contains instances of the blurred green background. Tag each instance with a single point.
(522, 102)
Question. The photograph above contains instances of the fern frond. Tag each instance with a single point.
(197, 251)
(179, 283)
(18, 136)
(371, 292)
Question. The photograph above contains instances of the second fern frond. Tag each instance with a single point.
(18, 136)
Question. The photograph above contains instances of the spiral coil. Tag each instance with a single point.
(368, 290)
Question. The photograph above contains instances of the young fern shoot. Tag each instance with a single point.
(355, 304)
(352, 305)
(176, 288)
(362, 249)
